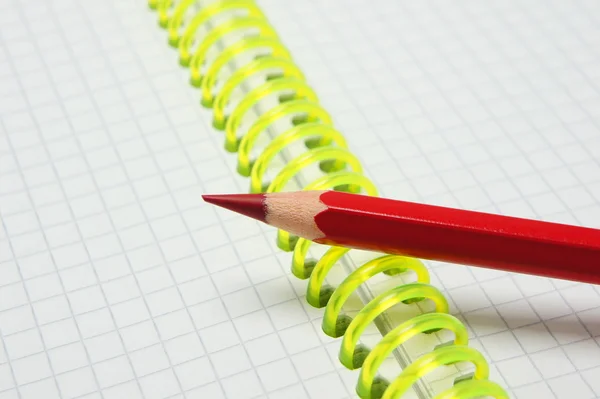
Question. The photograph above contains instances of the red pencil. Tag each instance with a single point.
(428, 232)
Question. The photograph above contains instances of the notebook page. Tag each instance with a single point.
(116, 280)
(490, 106)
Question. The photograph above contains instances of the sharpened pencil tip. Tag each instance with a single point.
(251, 205)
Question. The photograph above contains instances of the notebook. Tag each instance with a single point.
(116, 281)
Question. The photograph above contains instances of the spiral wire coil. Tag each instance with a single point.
(194, 27)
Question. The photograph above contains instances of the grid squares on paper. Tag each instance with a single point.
(473, 125)
(115, 281)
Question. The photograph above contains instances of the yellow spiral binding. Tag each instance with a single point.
(195, 27)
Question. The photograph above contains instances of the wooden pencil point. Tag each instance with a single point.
(251, 205)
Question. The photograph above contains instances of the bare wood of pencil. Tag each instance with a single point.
(427, 232)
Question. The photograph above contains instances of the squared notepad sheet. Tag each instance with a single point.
(116, 281)
(89, 307)
(491, 106)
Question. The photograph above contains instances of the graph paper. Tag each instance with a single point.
(116, 281)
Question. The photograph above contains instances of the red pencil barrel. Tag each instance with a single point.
(463, 237)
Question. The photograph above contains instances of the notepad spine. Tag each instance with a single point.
(193, 28)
